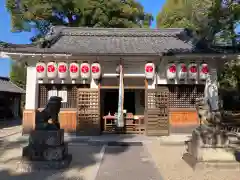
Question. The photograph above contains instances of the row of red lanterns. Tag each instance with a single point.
(181, 70)
(51, 70)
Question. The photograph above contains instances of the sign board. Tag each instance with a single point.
(63, 95)
(52, 93)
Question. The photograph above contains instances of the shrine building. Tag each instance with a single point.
(164, 71)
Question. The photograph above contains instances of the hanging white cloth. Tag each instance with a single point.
(120, 118)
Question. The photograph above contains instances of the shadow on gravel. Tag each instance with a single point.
(189, 160)
(10, 123)
(85, 157)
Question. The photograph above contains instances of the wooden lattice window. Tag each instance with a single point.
(184, 96)
(71, 94)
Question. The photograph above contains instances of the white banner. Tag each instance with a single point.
(120, 118)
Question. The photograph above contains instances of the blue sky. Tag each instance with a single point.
(152, 6)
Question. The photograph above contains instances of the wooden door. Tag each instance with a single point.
(88, 112)
(156, 112)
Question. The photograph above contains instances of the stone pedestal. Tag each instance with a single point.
(46, 150)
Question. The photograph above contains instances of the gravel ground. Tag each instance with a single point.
(85, 161)
(169, 161)
(9, 131)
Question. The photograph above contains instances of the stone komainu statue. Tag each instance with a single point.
(205, 114)
(46, 148)
(50, 112)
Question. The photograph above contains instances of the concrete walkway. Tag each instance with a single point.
(123, 162)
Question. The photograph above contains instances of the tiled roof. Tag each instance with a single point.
(84, 41)
(7, 86)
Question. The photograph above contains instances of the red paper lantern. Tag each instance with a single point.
(184, 68)
(182, 71)
(95, 69)
(149, 69)
(74, 71)
(171, 71)
(85, 69)
(205, 70)
(73, 68)
(51, 68)
(172, 68)
(40, 69)
(193, 69)
(62, 68)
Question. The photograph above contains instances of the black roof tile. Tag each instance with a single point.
(110, 41)
(7, 86)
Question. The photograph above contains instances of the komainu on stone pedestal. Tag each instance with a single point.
(46, 148)
(208, 137)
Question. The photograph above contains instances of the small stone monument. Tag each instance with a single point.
(46, 148)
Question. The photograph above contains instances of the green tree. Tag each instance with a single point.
(41, 14)
(18, 74)
(205, 17)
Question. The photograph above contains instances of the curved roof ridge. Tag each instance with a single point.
(89, 31)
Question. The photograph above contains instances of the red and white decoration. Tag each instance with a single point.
(171, 71)
(96, 71)
(182, 71)
(41, 70)
(62, 70)
(203, 71)
(85, 71)
(149, 70)
(52, 70)
(192, 71)
(74, 71)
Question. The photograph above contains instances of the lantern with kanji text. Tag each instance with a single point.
(149, 70)
(52, 70)
(96, 71)
(41, 70)
(203, 71)
(74, 71)
(62, 70)
(182, 71)
(85, 71)
(192, 71)
(171, 71)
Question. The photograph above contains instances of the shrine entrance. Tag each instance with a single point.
(133, 110)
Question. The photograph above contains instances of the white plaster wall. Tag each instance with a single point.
(131, 67)
(31, 100)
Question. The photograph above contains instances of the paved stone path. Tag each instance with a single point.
(91, 161)
(127, 162)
